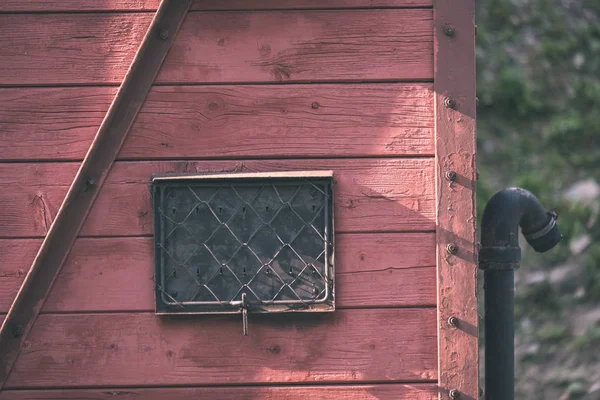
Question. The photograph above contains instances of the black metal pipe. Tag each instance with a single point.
(499, 257)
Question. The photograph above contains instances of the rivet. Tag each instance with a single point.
(454, 394)
(452, 248)
(163, 34)
(451, 176)
(449, 30)
(449, 102)
(453, 321)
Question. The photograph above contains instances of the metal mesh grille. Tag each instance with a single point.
(217, 239)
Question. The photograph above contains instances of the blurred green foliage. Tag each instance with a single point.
(538, 78)
(538, 85)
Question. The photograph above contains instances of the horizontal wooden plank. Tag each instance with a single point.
(151, 5)
(51, 123)
(69, 48)
(326, 392)
(225, 121)
(143, 349)
(370, 194)
(273, 46)
(107, 274)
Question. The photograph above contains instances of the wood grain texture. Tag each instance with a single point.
(69, 48)
(371, 194)
(143, 349)
(151, 5)
(106, 274)
(51, 123)
(88, 180)
(225, 121)
(417, 391)
(273, 46)
(456, 200)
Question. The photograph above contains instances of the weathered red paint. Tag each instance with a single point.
(418, 391)
(115, 274)
(224, 47)
(89, 179)
(271, 121)
(454, 85)
(342, 85)
(142, 349)
(373, 194)
(151, 5)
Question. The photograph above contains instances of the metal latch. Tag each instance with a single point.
(244, 314)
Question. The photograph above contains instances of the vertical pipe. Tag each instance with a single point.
(499, 257)
(499, 334)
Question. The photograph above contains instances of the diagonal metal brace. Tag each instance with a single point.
(88, 181)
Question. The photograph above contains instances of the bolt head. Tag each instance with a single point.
(449, 102)
(453, 321)
(452, 248)
(451, 175)
(163, 34)
(449, 30)
(454, 394)
(18, 330)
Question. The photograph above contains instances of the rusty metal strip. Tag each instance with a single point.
(88, 181)
(454, 85)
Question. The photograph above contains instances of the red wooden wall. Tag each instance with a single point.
(342, 85)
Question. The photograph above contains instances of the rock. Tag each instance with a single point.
(579, 244)
(586, 191)
(594, 388)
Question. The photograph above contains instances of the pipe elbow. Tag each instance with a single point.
(502, 216)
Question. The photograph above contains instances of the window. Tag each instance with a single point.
(262, 242)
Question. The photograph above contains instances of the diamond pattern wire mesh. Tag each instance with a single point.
(216, 239)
